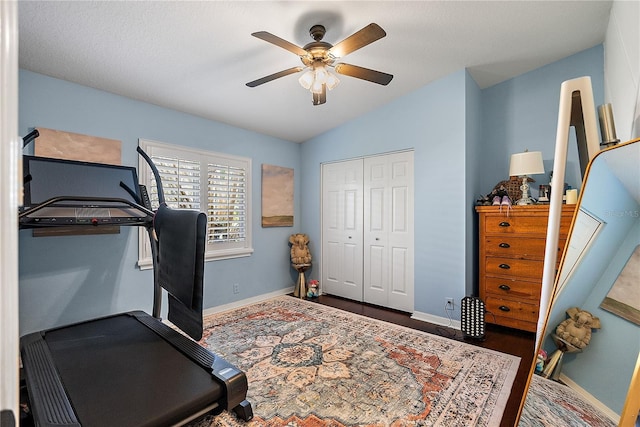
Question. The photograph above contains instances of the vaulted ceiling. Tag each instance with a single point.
(197, 56)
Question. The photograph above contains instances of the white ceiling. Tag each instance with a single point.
(196, 57)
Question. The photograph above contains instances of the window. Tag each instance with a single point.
(216, 184)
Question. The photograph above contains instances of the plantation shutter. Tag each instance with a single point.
(216, 184)
(227, 197)
(180, 181)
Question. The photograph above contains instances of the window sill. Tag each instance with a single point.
(147, 264)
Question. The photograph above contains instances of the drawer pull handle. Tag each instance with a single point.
(505, 266)
(504, 224)
(504, 245)
(504, 308)
(505, 287)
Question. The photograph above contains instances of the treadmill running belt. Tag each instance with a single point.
(136, 377)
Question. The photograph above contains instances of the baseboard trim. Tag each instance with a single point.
(246, 301)
(590, 398)
(430, 318)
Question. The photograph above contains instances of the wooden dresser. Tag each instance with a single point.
(511, 249)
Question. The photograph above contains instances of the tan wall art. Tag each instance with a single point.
(624, 297)
(85, 148)
(277, 196)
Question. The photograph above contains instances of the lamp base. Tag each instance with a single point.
(527, 201)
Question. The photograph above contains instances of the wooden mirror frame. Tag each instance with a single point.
(631, 407)
(577, 109)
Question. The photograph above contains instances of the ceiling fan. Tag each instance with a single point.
(318, 56)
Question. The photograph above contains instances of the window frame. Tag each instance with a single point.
(215, 251)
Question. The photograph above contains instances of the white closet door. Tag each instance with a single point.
(342, 263)
(388, 231)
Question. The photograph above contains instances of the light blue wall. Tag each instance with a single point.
(66, 279)
(431, 121)
(462, 137)
(605, 367)
(522, 113)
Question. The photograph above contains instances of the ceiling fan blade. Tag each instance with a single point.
(274, 76)
(365, 36)
(364, 73)
(320, 98)
(268, 37)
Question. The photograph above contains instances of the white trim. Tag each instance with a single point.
(246, 301)
(591, 399)
(145, 263)
(438, 320)
(11, 175)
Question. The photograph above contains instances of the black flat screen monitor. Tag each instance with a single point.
(47, 178)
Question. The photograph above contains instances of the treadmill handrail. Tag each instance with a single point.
(155, 172)
(54, 200)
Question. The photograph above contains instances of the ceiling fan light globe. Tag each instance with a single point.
(321, 74)
(306, 80)
(332, 81)
(316, 87)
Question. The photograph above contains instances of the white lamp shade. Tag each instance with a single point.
(306, 80)
(527, 163)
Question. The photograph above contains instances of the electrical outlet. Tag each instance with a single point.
(236, 288)
(449, 304)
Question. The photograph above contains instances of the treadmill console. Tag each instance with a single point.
(67, 192)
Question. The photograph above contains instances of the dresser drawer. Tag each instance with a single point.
(512, 246)
(533, 224)
(513, 267)
(513, 288)
(502, 224)
(511, 309)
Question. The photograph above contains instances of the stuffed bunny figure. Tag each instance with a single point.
(299, 251)
(576, 330)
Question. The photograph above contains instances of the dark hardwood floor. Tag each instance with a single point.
(506, 340)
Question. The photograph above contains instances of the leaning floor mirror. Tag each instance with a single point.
(591, 335)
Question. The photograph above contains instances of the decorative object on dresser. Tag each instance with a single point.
(511, 251)
(523, 165)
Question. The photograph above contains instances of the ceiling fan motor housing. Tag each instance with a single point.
(317, 32)
(317, 50)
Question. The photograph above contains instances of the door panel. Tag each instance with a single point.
(399, 266)
(376, 201)
(342, 250)
(376, 262)
(401, 295)
(388, 278)
(352, 266)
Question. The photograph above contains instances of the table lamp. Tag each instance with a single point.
(523, 165)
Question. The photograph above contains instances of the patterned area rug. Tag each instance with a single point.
(313, 365)
(552, 404)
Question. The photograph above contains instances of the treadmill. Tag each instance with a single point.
(126, 369)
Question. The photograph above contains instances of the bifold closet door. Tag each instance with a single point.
(388, 231)
(342, 226)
